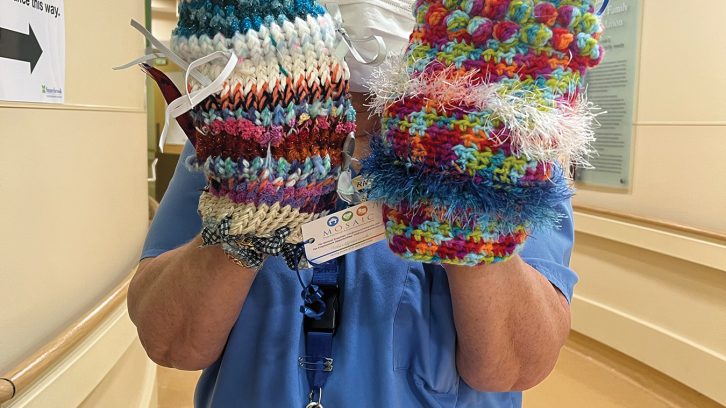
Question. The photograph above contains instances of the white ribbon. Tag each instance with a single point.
(164, 51)
(146, 58)
(186, 102)
(346, 45)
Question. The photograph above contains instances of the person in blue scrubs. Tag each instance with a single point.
(410, 334)
(396, 344)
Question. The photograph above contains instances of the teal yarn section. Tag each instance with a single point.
(210, 17)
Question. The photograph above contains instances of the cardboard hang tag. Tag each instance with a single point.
(345, 231)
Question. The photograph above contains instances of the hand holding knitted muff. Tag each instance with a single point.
(479, 118)
(270, 143)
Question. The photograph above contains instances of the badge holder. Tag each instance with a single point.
(320, 309)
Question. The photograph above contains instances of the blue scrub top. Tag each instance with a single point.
(395, 346)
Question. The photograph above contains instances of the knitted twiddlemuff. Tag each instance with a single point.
(270, 143)
(479, 118)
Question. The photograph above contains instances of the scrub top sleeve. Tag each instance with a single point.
(549, 252)
(177, 221)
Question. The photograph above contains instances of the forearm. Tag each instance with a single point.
(511, 324)
(185, 302)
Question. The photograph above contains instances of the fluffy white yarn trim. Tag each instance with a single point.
(537, 130)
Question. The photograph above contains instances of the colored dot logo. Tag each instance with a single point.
(363, 210)
(332, 221)
(347, 216)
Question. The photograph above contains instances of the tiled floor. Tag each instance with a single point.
(587, 375)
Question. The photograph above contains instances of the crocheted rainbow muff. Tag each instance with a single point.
(270, 143)
(479, 118)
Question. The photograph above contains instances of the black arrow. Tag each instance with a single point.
(19, 46)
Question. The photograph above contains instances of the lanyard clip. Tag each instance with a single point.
(311, 398)
(324, 317)
(347, 44)
(346, 189)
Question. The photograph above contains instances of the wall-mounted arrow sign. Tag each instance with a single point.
(32, 51)
(19, 46)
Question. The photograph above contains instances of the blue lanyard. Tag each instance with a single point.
(603, 7)
(321, 305)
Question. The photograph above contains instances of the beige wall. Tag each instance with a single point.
(74, 211)
(654, 293)
(115, 389)
(162, 26)
(680, 118)
(164, 18)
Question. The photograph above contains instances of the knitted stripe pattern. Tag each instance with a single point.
(270, 142)
(255, 220)
(479, 118)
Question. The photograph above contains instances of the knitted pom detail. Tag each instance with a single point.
(545, 13)
(569, 16)
(480, 29)
(520, 30)
(496, 9)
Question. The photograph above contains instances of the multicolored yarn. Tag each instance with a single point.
(211, 17)
(421, 234)
(306, 186)
(270, 142)
(479, 118)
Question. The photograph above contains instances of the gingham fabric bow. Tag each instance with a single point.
(247, 256)
(294, 254)
(218, 234)
(251, 251)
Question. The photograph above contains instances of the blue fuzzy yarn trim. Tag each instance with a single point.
(462, 198)
(210, 17)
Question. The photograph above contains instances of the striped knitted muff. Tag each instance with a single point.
(480, 117)
(270, 143)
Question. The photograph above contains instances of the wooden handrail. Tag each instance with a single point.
(32, 368)
(652, 222)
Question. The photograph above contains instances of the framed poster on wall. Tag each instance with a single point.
(613, 87)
